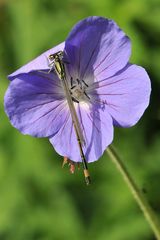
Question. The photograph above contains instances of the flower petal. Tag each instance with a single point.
(125, 95)
(35, 104)
(97, 46)
(39, 63)
(97, 129)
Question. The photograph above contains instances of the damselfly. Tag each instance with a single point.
(57, 63)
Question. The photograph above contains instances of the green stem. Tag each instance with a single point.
(137, 193)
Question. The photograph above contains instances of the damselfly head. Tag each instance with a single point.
(56, 56)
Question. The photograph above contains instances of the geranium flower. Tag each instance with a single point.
(106, 90)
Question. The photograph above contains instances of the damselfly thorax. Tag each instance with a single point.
(56, 63)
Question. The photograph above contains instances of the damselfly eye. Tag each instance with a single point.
(60, 53)
(51, 57)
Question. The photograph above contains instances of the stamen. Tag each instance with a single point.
(78, 81)
(87, 95)
(85, 83)
(75, 100)
(73, 87)
(71, 81)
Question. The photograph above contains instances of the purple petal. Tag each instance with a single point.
(97, 128)
(125, 95)
(97, 46)
(39, 63)
(35, 104)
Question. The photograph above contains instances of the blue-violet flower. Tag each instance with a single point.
(107, 90)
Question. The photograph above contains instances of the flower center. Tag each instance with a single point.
(78, 90)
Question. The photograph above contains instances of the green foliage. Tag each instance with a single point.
(38, 199)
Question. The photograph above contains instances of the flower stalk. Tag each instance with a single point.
(136, 192)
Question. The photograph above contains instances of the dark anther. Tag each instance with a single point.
(85, 83)
(73, 87)
(75, 100)
(78, 81)
(71, 81)
(86, 95)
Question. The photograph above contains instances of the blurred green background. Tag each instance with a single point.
(38, 199)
